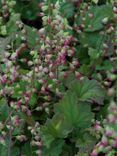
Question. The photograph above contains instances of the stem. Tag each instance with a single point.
(10, 130)
(10, 134)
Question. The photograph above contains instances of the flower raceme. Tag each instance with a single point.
(45, 63)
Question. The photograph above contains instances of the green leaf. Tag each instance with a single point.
(74, 113)
(95, 1)
(85, 69)
(26, 149)
(69, 79)
(11, 25)
(19, 88)
(71, 114)
(28, 9)
(68, 107)
(107, 65)
(55, 149)
(103, 112)
(3, 150)
(32, 35)
(93, 53)
(3, 110)
(92, 39)
(4, 42)
(55, 128)
(99, 13)
(85, 143)
(88, 90)
(67, 9)
(33, 100)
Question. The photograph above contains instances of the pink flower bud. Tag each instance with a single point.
(108, 132)
(78, 75)
(17, 121)
(2, 140)
(43, 90)
(51, 75)
(28, 112)
(104, 140)
(111, 118)
(97, 126)
(94, 153)
(19, 103)
(3, 79)
(76, 63)
(115, 9)
(100, 146)
(79, 3)
(21, 138)
(91, 15)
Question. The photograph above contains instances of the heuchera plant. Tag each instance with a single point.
(58, 78)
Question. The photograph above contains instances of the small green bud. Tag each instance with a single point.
(105, 20)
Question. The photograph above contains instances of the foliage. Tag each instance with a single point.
(58, 77)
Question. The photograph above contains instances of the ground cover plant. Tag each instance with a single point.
(58, 78)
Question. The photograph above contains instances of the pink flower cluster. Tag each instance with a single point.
(108, 132)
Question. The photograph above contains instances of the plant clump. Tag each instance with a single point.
(58, 78)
